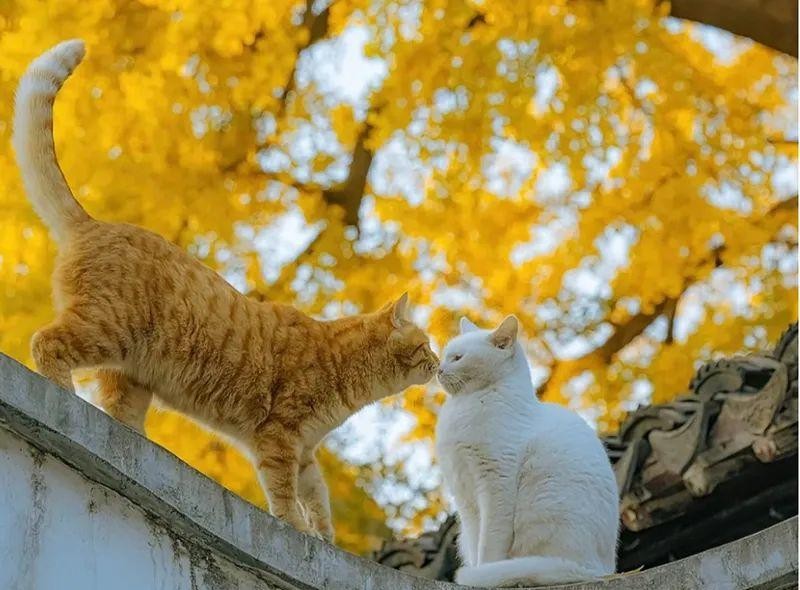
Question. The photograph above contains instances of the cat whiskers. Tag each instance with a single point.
(452, 383)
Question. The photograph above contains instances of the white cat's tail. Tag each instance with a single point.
(532, 570)
(44, 182)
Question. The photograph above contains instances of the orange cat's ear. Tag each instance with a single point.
(506, 333)
(398, 311)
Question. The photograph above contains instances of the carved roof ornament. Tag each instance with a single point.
(714, 465)
(432, 555)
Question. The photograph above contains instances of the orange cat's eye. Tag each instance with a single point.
(418, 348)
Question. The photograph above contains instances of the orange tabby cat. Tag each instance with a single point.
(157, 323)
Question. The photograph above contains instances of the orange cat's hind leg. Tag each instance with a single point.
(123, 398)
(70, 343)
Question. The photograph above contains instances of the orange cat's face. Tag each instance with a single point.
(412, 354)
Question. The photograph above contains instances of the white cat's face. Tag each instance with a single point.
(477, 358)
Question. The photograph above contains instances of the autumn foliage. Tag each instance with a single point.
(622, 181)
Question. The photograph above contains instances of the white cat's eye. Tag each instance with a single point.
(456, 357)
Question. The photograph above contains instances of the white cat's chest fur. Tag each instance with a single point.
(480, 426)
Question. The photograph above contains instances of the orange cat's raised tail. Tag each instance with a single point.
(33, 138)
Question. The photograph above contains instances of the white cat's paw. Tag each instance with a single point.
(463, 575)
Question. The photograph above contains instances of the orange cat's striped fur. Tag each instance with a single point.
(156, 323)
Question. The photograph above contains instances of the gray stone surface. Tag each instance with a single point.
(208, 518)
(62, 531)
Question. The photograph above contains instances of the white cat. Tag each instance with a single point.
(533, 486)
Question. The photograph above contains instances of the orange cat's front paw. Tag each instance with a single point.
(324, 533)
(305, 529)
(300, 525)
(315, 533)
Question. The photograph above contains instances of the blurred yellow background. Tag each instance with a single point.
(624, 181)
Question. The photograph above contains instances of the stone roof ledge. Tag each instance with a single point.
(52, 438)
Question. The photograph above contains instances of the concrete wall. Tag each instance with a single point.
(62, 530)
(87, 503)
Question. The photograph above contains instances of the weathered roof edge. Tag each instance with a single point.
(198, 509)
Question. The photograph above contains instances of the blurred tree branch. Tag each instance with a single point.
(317, 26)
(624, 332)
(782, 140)
(349, 195)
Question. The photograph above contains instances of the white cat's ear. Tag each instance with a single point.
(399, 309)
(506, 333)
(466, 325)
